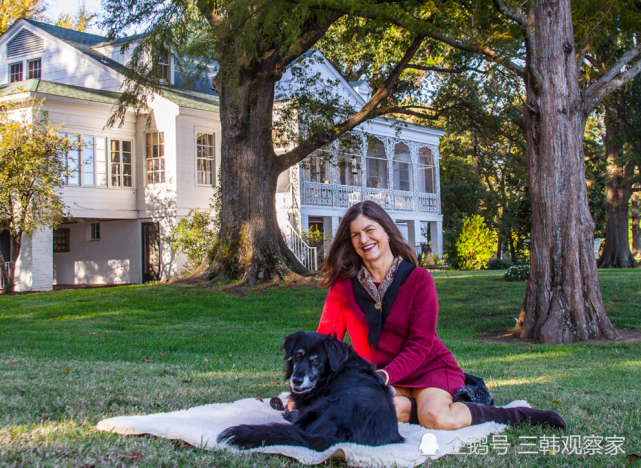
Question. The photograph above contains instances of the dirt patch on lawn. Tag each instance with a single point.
(506, 337)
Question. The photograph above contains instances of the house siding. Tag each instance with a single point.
(115, 258)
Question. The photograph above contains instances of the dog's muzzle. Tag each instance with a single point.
(304, 387)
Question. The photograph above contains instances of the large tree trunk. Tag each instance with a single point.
(563, 301)
(635, 219)
(618, 190)
(8, 276)
(251, 245)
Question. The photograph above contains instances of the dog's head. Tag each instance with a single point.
(313, 358)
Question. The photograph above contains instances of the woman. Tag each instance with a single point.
(389, 307)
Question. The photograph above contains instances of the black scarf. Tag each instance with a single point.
(374, 318)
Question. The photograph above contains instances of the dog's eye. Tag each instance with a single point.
(315, 361)
(297, 356)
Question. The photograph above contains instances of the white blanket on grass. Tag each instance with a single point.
(201, 425)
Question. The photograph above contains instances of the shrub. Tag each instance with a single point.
(476, 243)
(194, 236)
(496, 264)
(517, 273)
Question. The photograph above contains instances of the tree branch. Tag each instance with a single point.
(475, 48)
(445, 70)
(319, 139)
(609, 81)
(521, 20)
(407, 110)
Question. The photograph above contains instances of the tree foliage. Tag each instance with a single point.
(12, 10)
(476, 243)
(32, 173)
(79, 21)
(194, 236)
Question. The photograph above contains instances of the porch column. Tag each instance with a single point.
(411, 233)
(436, 234)
(304, 222)
(335, 222)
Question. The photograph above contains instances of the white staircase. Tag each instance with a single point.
(286, 211)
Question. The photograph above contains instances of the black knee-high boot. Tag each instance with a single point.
(514, 416)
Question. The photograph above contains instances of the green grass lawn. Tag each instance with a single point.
(71, 358)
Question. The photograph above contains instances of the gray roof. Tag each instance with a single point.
(79, 40)
(180, 97)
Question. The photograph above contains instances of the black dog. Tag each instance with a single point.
(338, 397)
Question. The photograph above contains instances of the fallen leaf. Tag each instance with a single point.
(19, 389)
(617, 351)
(67, 370)
(202, 383)
(161, 354)
(148, 360)
(206, 360)
(91, 333)
(634, 457)
(165, 373)
(260, 399)
(274, 383)
(19, 345)
(556, 402)
(134, 455)
(88, 465)
(31, 378)
(5, 378)
(187, 380)
(12, 363)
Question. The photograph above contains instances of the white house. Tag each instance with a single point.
(132, 184)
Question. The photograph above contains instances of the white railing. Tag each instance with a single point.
(318, 194)
(303, 252)
(6, 267)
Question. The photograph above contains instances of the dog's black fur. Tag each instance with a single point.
(338, 397)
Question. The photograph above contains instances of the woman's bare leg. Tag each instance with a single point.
(402, 403)
(437, 410)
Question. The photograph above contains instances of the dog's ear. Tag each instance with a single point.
(337, 352)
(290, 343)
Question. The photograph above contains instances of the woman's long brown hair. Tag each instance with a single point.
(342, 260)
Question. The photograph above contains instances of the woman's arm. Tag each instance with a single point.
(332, 320)
(422, 331)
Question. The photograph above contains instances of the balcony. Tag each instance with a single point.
(344, 196)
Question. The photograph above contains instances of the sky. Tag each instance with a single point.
(57, 7)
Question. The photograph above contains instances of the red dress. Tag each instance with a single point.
(408, 348)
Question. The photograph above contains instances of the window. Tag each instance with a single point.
(94, 161)
(155, 156)
(164, 67)
(426, 171)
(377, 173)
(61, 240)
(15, 72)
(402, 168)
(205, 158)
(33, 69)
(319, 167)
(73, 162)
(87, 166)
(94, 231)
(349, 162)
(121, 171)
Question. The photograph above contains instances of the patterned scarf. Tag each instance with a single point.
(366, 280)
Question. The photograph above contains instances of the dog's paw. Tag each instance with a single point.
(238, 436)
(290, 415)
(276, 403)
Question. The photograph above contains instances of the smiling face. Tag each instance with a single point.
(369, 239)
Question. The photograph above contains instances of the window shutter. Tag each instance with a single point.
(25, 43)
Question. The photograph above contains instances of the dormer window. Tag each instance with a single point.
(164, 67)
(33, 69)
(15, 72)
